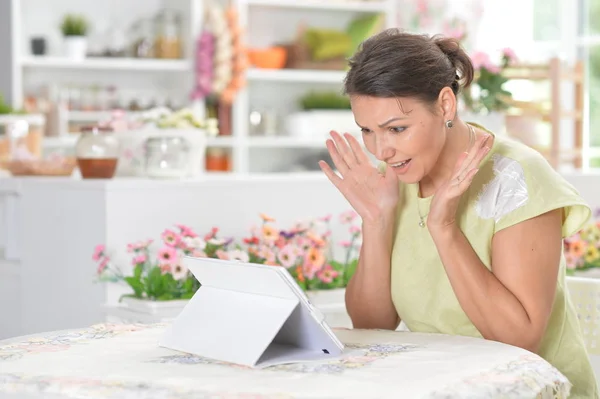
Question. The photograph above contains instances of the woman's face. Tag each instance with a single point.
(404, 133)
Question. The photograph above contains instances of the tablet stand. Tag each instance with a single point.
(250, 328)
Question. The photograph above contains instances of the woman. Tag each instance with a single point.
(466, 227)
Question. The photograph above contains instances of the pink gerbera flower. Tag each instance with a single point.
(179, 271)
(98, 252)
(348, 216)
(167, 255)
(327, 274)
(139, 259)
(103, 264)
(186, 231)
(287, 256)
(171, 238)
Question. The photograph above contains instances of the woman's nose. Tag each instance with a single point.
(384, 151)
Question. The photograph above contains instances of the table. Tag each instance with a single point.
(124, 361)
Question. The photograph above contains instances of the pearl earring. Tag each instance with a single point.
(449, 124)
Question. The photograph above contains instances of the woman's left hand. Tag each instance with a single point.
(442, 213)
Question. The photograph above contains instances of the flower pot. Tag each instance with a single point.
(160, 309)
(75, 47)
(589, 273)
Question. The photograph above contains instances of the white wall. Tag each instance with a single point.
(6, 49)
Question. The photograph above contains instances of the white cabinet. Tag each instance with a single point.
(10, 272)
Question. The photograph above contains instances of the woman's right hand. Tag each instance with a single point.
(371, 194)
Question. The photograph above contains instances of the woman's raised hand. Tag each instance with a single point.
(372, 195)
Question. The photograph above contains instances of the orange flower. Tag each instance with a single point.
(315, 258)
(300, 274)
(317, 241)
(577, 248)
(270, 233)
(266, 218)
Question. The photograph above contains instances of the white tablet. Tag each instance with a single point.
(249, 314)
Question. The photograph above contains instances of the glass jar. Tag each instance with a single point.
(167, 157)
(144, 34)
(168, 35)
(97, 152)
(217, 160)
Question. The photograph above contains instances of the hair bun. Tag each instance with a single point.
(458, 57)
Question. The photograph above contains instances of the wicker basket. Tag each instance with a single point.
(63, 167)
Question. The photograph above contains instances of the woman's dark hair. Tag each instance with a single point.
(399, 64)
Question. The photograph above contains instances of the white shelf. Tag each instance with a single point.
(269, 89)
(94, 116)
(222, 141)
(286, 142)
(132, 64)
(372, 6)
(295, 75)
(69, 140)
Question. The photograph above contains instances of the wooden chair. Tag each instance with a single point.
(557, 73)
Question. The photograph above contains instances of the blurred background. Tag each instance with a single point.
(254, 86)
(135, 116)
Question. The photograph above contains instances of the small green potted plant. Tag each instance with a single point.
(74, 29)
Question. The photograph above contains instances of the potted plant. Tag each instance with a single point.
(160, 285)
(74, 29)
(306, 249)
(487, 98)
(320, 112)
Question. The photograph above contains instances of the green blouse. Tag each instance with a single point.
(514, 183)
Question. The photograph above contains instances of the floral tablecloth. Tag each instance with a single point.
(124, 361)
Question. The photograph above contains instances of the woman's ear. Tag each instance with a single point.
(448, 103)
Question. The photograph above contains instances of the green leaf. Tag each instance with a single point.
(154, 283)
(187, 295)
(165, 297)
(137, 271)
(136, 285)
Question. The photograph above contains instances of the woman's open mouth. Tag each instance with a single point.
(401, 167)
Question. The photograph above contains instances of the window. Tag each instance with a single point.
(589, 42)
(573, 29)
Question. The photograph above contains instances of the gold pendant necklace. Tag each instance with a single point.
(422, 223)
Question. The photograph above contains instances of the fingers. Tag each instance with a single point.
(473, 158)
(331, 175)
(336, 157)
(344, 149)
(466, 182)
(360, 155)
